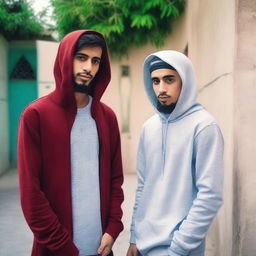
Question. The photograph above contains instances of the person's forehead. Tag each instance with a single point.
(92, 51)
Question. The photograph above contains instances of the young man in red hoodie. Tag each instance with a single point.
(69, 156)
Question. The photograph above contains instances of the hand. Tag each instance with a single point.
(132, 250)
(106, 244)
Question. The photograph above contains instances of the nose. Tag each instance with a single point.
(87, 66)
(162, 87)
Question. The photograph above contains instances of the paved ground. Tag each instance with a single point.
(15, 236)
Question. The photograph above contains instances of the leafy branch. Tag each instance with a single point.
(124, 23)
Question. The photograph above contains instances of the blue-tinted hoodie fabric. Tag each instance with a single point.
(180, 171)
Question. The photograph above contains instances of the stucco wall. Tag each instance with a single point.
(4, 145)
(245, 125)
(211, 28)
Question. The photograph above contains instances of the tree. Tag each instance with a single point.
(17, 21)
(124, 23)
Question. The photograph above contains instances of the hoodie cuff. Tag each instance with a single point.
(68, 249)
(175, 250)
(114, 229)
(132, 238)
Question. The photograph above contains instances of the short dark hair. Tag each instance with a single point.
(89, 39)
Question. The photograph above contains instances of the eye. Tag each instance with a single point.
(80, 57)
(169, 80)
(96, 61)
(155, 81)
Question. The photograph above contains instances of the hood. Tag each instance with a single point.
(63, 71)
(186, 103)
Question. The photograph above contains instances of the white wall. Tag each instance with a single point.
(46, 54)
(4, 135)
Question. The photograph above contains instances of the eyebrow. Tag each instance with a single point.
(167, 76)
(85, 55)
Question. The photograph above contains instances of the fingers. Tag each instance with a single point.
(105, 245)
(101, 248)
(106, 251)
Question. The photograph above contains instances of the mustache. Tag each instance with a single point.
(163, 95)
(84, 73)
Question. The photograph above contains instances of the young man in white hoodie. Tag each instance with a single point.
(179, 164)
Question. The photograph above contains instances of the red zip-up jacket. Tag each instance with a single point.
(44, 158)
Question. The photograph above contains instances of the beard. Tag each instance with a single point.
(166, 109)
(162, 107)
(82, 87)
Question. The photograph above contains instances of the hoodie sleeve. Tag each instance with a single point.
(38, 213)
(140, 179)
(208, 168)
(115, 225)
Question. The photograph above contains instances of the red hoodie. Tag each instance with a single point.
(44, 158)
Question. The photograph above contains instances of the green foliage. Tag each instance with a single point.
(17, 20)
(124, 23)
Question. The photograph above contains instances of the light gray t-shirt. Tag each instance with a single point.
(87, 229)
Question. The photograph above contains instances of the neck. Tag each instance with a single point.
(82, 99)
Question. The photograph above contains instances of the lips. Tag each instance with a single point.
(163, 97)
(85, 77)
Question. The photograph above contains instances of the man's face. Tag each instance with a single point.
(166, 85)
(86, 64)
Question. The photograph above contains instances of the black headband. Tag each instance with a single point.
(157, 63)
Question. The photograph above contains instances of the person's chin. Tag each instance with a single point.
(164, 103)
(82, 83)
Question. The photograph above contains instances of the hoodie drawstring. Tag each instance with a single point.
(164, 136)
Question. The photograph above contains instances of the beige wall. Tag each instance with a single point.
(4, 143)
(245, 126)
(211, 28)
(46, 53)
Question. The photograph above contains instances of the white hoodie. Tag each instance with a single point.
(180, 171)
